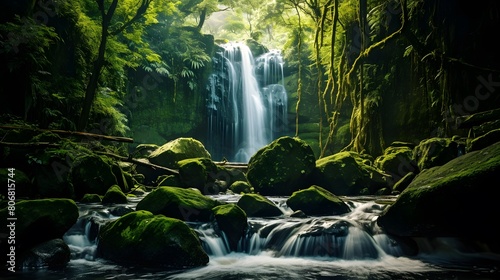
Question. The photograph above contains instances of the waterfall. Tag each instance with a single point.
(246, 104)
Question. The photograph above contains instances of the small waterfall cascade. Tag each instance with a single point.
(354, 236)
(246, 104)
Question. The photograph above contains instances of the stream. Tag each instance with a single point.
(349, 246)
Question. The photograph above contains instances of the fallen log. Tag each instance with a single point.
(75, 133)
(36, 145)
(136, 161)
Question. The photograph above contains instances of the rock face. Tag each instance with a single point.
(179, 203)
(281, 167)
(176, 150)
(141, 238)
(317, 201)
(441, 201)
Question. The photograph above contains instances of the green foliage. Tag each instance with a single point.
(24, 41)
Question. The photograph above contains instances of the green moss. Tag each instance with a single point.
(316, 200)
(114, 195)
(184, 204)
(143, 238)
(256, 205)
(91, 198)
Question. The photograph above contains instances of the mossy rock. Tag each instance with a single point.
(170, 181)
(442, 200)
(231, 220)
(51, 254)
(144, 150)
(24, 186)
(40, 220)
(396, 161)
(404, 182)
(114, 195)
(169, 154)
(230, 175)
(91, 198)
(142, 238)
(198, 173)
(92, 174)
(281, 167)
(484, 141)
(241, 187)
(346, 173)
(317, 201)
(180, 203)
(256, 205)
(434, 152)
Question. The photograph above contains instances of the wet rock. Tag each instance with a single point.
(142, 238)
(180, 203)
(231, 220)
(441, 200)
(347, 173)
(114, 195)
(281, 167)
(256, 205)
(170, 153)
(198, 173)
(52, 254)
(317, 201)
(48, 218)
(435, 152)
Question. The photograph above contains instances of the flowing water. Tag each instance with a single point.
(349, 246)
(247, 102)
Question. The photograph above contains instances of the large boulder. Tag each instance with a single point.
(92, 174)
(435, 151)
(397, 161)
(485, 140)
(142, 238)
(256, 205)
(114, 195)
(198, 173)
(317, 201)
(180, 203)
(348, 173)
(170, 153)
(231, 220)
(456, 199)
(281, 167)
(52, 254)
(38, 221)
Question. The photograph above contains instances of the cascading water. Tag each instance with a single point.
(247, 102)
(349, 246)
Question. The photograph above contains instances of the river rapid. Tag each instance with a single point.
(349, 246)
